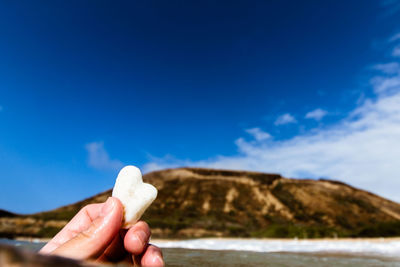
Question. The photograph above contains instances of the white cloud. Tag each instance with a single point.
(285, 119)
(363, 149)
(258, 134)
(316, 114)
(98, 157)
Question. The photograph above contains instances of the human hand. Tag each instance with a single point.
(94, 234)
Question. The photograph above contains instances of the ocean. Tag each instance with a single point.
(267, 252)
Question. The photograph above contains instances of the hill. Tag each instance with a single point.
(196, 202)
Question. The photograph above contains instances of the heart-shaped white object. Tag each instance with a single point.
(135, 195)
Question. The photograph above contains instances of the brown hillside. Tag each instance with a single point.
(194, 202)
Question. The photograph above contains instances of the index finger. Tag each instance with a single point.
(78, 223)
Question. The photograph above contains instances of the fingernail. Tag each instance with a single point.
(142, 236)
(155, 260)
(107, 207)
(158, 261)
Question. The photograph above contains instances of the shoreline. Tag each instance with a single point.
(162, 240)
(364, 247)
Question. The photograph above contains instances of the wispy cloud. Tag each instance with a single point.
(391, 6)
(394, 37)
(387, 81)
(387, 68)
(396, 51)
(316, 114)
(363, 149)
(98, 157)
(285, 119)
(1, 108)
(258, 134)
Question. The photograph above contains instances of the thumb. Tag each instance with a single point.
(91, 242)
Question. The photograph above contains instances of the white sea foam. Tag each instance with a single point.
(381, 247)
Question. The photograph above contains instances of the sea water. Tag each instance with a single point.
(376, 247)
(267, 252)
(264, 252)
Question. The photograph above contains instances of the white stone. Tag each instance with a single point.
(135, 195)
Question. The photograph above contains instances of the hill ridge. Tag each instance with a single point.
(200, 202)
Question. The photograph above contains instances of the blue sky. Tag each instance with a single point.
(306, 89)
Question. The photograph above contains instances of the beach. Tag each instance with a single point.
(271, 252)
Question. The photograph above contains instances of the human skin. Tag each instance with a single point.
(95, 234)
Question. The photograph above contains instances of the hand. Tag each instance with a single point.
(94, 234)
